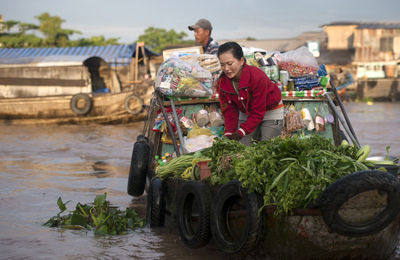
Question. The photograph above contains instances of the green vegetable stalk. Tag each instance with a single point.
(174, 167)
(289, 173)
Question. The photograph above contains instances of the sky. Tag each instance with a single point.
(231, 19)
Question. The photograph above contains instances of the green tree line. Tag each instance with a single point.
(56, 36)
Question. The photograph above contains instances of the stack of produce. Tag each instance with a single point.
(180, 167)
(294, 70)
(188, 75)
(289, 173)
(209, 62)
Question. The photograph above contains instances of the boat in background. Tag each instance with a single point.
(82, 108)
(75, 85)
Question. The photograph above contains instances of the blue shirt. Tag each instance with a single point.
(211, 47)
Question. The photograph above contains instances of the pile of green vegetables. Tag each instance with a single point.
(182, 166)
(100, 217)
(290, 173)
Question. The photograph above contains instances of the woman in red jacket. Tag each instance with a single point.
(250, 102)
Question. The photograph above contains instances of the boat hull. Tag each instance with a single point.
(303, 234)
(107, 108)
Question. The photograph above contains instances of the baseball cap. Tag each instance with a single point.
(202, 23)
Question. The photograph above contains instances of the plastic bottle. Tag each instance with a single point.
(168, 157)
(164, 160)
(155, 162)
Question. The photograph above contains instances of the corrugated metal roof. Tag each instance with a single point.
(368, 24)
(340, 23)
(380, 25)
(112, 54)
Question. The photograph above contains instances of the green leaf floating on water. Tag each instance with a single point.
(100, 199)
(78, 219)
(387, 150)
(62, 205)
(100, 216)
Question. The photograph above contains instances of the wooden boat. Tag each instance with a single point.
(83, 108)
(74, 85)
(356, 217)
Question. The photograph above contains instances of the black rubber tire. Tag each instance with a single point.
(138, 168)
(336, 194)
(156, 206)
(198, 194)
(219, 216)
(142, 136)
(137, 110)
(74, 104)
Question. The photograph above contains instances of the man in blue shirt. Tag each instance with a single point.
(202, 32)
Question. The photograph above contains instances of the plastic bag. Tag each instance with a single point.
(167, 139)
(294, 121)
(209, 62)
(327, 114)
(202, 117)
(307, 119)
(160, 124)
(196, 131)
(199, 142)
(319, 122)
(181, 75)
(217, 130)
(298, 62)
(306, 82)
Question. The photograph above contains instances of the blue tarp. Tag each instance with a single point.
(112, 54)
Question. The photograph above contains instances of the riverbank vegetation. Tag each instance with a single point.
(18, 34)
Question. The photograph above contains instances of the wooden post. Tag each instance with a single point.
(138, 44)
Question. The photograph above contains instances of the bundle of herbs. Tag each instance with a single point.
(103, 218)
(289, 173)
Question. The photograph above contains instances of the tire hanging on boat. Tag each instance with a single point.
(74, 104)
(336, 194)
(156, 206)
(224, 202)
(139, 165)
(139, 102)
(194, 197)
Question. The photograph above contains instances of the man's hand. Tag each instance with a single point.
(235, 136)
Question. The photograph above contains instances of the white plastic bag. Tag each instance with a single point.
(299, 62)
(199, 142)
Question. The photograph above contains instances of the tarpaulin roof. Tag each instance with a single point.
(111, 54)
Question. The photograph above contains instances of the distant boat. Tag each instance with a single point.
(100, 108)
(72, 85)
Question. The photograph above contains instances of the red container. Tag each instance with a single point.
(205, 171)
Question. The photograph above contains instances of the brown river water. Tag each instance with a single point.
(39, 164)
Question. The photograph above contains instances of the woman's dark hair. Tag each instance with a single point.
(233, 47)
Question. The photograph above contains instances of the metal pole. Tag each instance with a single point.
(344, 112)
(177, 124)
(161, 102)
(342, 120)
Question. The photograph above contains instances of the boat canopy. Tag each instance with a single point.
(70, 56)
(52, 61)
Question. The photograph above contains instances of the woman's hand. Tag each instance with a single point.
(235, 136)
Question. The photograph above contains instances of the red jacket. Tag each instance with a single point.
(257, 94)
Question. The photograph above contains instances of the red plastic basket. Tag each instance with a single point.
(205, 171)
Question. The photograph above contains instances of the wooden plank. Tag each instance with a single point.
(43, 82)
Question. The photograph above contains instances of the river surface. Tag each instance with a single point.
(39, 164)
